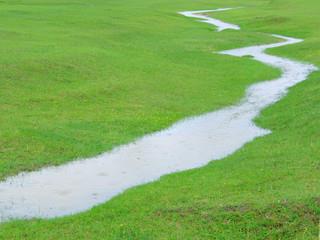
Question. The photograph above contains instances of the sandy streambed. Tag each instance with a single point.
(191, 143)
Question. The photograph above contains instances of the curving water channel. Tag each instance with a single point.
(191, 143)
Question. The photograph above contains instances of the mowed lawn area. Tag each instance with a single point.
(81, 77)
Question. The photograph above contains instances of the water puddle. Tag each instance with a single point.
(191, 143)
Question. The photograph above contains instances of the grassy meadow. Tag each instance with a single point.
(81, 77)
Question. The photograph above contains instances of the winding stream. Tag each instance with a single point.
(191, 143)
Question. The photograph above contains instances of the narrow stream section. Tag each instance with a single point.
(219, 24)
(191, 143)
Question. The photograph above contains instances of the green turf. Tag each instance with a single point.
(79, 77)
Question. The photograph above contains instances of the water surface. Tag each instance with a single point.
(191, 143)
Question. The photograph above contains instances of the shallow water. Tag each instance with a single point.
(219, 24)
(82, 184)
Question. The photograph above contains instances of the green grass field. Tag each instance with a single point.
(80, 77)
